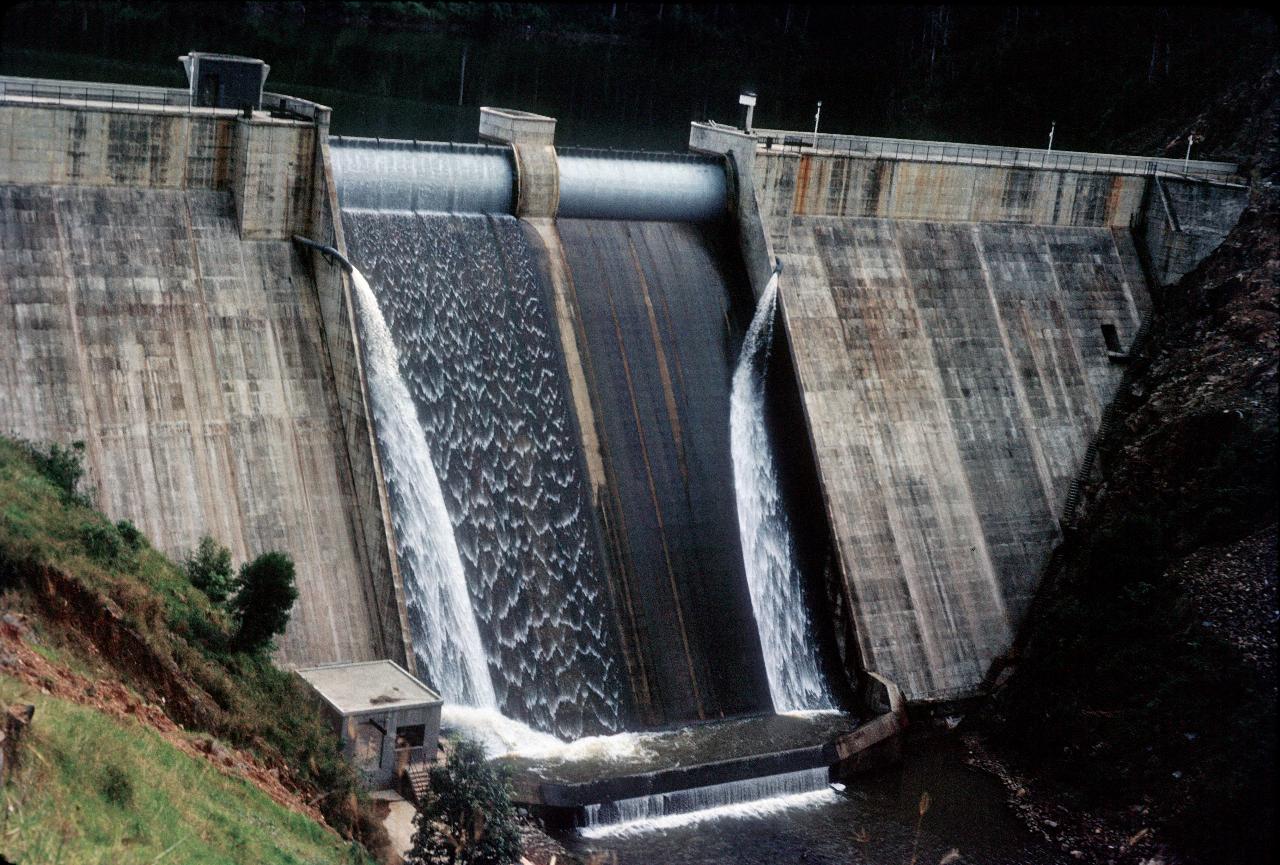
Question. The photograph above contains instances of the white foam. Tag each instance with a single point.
(501, 736)
(449, 642)
(737, 811)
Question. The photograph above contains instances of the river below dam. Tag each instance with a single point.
(873, 821)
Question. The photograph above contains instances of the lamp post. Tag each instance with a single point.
(1186, 161)
(1052, 126)
(748, 98)
(816, 117)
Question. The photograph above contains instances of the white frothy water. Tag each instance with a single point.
(753, 797)
(501, 735)
(447, 640)
(777, 592)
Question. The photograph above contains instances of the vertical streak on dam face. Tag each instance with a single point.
(478, 350)
(661, 327)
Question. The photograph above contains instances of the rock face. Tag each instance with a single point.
(1146, 684)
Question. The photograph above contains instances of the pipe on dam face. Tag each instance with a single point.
(431, 177)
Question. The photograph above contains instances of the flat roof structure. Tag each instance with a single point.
(368, 686)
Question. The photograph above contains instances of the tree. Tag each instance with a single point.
(467, 818)
(208, 567)
(264, 595)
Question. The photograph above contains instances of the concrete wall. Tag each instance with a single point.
(952, 376)
(1185, 221)
(104, 146)
(946, 324)
(833, 185)
(272, 182)
(144, 311)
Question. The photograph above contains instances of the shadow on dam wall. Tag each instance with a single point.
(661, 309)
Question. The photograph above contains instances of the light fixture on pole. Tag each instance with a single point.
(816, 117)
(1052, 126)
(748, 98)
(1186, 161)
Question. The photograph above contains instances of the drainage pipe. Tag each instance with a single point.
(330, 254)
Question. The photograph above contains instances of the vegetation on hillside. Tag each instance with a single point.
(93, 789)
(467, 818)
(107, 604)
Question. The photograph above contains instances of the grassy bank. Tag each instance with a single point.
(96, 789)
(104, 604)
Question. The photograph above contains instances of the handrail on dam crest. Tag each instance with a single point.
(15, 89)
(981, 154)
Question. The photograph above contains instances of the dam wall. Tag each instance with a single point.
(153, 307)
(957, 318)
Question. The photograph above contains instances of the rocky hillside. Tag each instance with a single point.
(1139, 719)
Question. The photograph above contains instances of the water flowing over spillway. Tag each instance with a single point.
(445, 637)
(777, 590)
(481, 363)
(752, 797)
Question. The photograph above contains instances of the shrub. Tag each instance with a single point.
(208, 567)
(264, 595)
(63, 467)
(116, 786)
(102, 542)
(468, 817)
(129, 533)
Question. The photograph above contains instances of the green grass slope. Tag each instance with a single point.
(96, 789)
(101, 602)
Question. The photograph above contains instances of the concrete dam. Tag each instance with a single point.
(565, 441)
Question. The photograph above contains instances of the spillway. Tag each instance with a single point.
(663, 309)
(437, 177)
(468, 312)
(753, 797)
(609, 585)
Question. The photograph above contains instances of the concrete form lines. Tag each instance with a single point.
(1019, 391)
(92, 423)
(968, 509)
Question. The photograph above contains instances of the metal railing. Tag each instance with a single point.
(89, 94)
(406, 757)
(85, 93)
(979, 154)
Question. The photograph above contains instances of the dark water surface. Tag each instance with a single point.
(872, 823)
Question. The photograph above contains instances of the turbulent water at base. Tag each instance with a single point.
(749, 797)
(445, 638)
(481, 359)
(777, 590)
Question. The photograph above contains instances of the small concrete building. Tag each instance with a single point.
(387, 719)
(225, 80)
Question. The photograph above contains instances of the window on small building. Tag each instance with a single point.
(411, 736)
(1112, 338)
